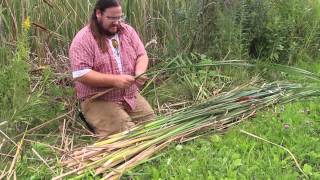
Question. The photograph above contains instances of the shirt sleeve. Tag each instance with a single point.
(80, 55)
(80, 73)
(137, 43)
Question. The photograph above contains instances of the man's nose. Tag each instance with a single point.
(117, 22)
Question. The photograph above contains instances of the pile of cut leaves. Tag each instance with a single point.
(114, 156)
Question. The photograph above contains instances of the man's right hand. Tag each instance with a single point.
(123, 81)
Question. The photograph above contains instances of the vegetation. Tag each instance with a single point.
(143, 141)
(37, 94)
(236, 155)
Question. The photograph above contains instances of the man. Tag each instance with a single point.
(108, 54)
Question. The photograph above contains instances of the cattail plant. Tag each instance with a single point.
(120, 152)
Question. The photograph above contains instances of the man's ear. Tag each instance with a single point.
(98, 14)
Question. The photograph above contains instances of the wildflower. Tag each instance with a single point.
(26, 24)
(286, 126)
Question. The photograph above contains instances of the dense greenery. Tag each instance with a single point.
(280, 31)
(35, 83)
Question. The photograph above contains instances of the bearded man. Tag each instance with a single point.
(108, 54)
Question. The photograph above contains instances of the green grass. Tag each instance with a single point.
(235, 155)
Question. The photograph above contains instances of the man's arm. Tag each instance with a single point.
(97, 79)
(141, 65)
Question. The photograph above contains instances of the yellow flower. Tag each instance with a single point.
(26, 24)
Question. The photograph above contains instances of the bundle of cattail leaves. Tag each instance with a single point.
(121, 152)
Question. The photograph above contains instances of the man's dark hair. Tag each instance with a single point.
(96, 29)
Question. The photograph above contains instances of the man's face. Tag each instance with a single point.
(110, 19)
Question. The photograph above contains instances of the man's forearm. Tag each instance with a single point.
(97, 79)
(141, 65)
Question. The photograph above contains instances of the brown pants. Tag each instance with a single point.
(109, 117)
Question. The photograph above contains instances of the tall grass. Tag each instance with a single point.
(280, 31)
(54, 22)
(24, 98)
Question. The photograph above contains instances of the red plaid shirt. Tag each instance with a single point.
(84, 53)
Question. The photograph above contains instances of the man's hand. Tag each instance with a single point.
(123, 81)
(141, 80)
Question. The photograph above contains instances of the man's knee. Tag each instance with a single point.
(143, 111)
(106, 118)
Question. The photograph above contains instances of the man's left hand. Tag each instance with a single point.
(141, 80)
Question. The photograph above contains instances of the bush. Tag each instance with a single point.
(277, 31)
(23, 101)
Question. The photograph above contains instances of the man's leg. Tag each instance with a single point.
(143, 111)
(106, 117)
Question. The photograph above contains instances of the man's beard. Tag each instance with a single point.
(104, 30)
